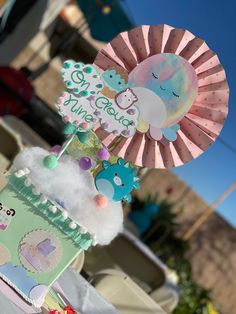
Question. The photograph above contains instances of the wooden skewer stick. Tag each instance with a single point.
(204, 216)
(67, 143)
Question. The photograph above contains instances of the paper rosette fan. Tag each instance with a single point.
(191, 92)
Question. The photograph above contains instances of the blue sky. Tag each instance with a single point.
(215, 22)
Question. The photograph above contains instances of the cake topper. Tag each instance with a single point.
(182, 95)
(6, 215)
(116, 181)
(155, 97)
(93, 98)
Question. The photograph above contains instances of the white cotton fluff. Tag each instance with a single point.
(75, 189)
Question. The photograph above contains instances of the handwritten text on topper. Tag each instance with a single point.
(85, 101)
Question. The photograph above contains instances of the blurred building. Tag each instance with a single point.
(212, 248)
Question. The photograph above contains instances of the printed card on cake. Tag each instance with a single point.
(37, 240)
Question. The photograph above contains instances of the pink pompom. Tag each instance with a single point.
(56, 149)
(60, 101)
(67, 118)
(85, 163)
(84, 125)
(101, 201)
(103, 154)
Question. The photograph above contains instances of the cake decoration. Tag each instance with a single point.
(39, 251)
(34, 256)
(6, 215)
(182, 95)
(125, 99)
(159, 108)
(45, 247)
(105, 101)
(116, 181)
(115, 80)
(173, 79)
(82, 79)
(5, 255)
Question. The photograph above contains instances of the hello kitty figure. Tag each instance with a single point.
(125, 99)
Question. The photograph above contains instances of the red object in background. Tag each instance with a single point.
(169, 190)
(69, 310)
(14, 92)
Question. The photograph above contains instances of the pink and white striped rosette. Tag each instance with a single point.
(200, 127)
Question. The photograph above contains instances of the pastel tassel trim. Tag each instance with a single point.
(50, 210)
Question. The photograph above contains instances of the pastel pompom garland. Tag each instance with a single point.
(69, 129)
(56, 149)
(50, 162)
(103, 154)
(101, 201)
(85, 163)
(82, 136)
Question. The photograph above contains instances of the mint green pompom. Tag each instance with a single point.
(82, 136)
(50, 161)
(69, 129)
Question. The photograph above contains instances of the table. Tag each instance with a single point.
(83, 297)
